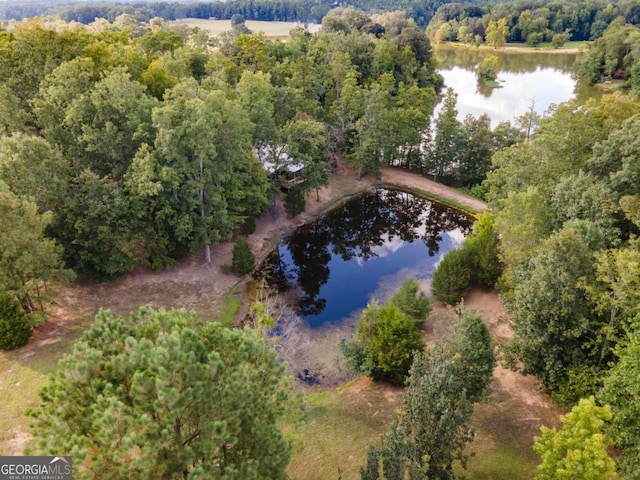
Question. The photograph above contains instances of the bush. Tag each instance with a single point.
(248, 226)
(559, 39)
(452, 279)
(489, 68)
(412, 301)
(472, 348)
(243, 261)
(386, 342)
(15, 330)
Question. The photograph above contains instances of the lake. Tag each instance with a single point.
(543, 79)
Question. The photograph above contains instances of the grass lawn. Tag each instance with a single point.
(270, 29)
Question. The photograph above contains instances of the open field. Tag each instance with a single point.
(341, 422)
(270, 29)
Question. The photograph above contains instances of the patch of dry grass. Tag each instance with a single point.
(340, 426)
(270, 29)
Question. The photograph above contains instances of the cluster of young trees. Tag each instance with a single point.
(129, 144)
(477, 262)
(530, 22)
(566, 206)
(432, 432)
(388, 336)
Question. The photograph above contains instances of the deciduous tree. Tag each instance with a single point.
(579, 448)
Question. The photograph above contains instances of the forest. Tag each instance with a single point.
(129, 143)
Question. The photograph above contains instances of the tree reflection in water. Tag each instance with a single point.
(337, 262)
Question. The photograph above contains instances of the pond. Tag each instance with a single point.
(543, 79)
(333, 267)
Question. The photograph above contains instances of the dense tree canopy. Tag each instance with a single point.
(150, 143)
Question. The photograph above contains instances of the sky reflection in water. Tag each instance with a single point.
(363, 250)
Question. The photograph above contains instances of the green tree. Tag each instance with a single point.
(164, 395)
(29, 261)
(243, 260)
(579, 448)
(452, 279)
(294, 201)
(483, 247)
(621, 391)
(497, 33)
(19, 119)
(109, 123)
(477, 146)
(202, 139)
(411, 300)
(445, 152)
(489, 68)
(471, 348)
(386, 340)
(306, 141)
(431, 433)
(552, 320)
(30, 166)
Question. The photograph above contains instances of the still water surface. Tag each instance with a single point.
(364, 249)
(544, 79)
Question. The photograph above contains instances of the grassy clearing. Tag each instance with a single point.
(270, 29)
(22, 373)
(340, 426)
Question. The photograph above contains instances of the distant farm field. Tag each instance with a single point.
(270, 29)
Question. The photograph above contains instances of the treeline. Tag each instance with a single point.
(530, 21)
(266, 10)
(567, 215)
(120, 150)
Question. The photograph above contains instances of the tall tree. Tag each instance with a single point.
(497, 33)
(109, 123)
(306, 141)
(431, 434)
(621, 391)
(444, 154)
(552, 321)
(201, 136)
(30, 166)
(164, 395)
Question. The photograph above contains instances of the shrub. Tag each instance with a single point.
(559, 39)
(412, 301)
(15, 330)
(471, 347)
(452, 279)
(248, 226)
(386, 342)
(243, 260)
